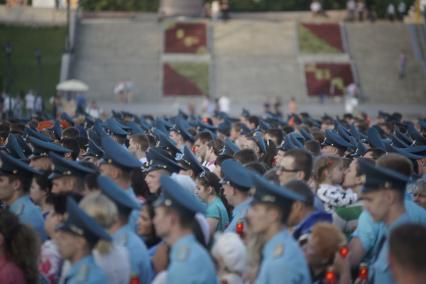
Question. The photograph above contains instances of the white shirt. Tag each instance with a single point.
(29, 101)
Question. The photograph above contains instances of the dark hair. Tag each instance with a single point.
(43, 182)
(397, 163)
(272, 175)
(25, 181)
(313, 146)
(256, 166)
(270, 153)
(21, 245)
(245, 156)
(217, 146)
(254, 120)
(153, 238)
(204, 137)
(375, 153)
(137, 181)
(73, 145)
(303, 161)
(302, 188)
(407, 245)
(70, 132)
(367, 160)
(207, 179)
(4, 130)
(277, 134)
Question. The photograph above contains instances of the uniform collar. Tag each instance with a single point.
(76, 267)
(184, 241)
(404, 218)
(20, 200)
(241, 206)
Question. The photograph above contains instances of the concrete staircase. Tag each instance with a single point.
(257, 60)
(254, 59)
(113, 50)
(376, 48)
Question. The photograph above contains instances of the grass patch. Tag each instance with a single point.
(25, 73)
(311, 44)
(198, 73)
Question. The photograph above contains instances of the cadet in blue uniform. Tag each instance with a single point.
(15, 183)
(67, 175)
(383, 196)
(77, 237)
(236, 182)
(124, 234)
(282, 259)
(39, 158)
(174, 215)
(117, 164)
(160, 163)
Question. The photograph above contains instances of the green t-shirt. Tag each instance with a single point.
(216, 210)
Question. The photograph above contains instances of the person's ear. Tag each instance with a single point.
(300, 175)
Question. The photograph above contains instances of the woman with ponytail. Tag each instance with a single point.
(19, 250)
(209, 190)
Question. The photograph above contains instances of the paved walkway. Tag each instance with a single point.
(318, 109)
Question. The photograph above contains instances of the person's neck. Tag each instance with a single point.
(124, 184)
(117, 226)
(357, 189)
(273, 230)
(176, 234)
(140, 155)
(78, 255)
(15, 196)
(395, 212)
(211, 198)
(240, 198)
(410, 278)
(212, 158)
(327, 181)
(306, 211)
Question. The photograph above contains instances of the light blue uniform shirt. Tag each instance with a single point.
(380, 272)
(238, 214)
(283, 261)
(370, 232)
(29, 214)
(85, 271)
(190, 263)
(140, 262)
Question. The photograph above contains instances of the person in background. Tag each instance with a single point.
(39, 192)
(76, 239)
(230, 256)
(320, 249)
(419, 192)
(268, 218)
(303, 215)
(19, 251)
(407, 248)
(174, 217)
(50, 260)
(209, 191)
(111, 257)
(328, 174)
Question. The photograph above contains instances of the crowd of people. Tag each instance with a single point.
(213, 199)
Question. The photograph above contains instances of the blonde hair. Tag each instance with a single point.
(105, 213)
